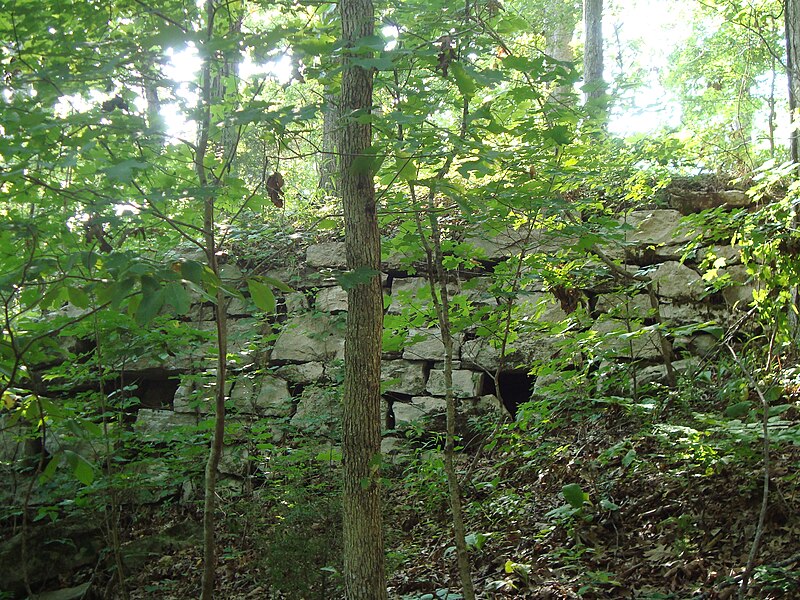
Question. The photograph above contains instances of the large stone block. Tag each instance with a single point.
(540, 307)
(244, 341)
(303, 373)
(318, 410)
(420, 408)
(331, 299)
(410, 376)
(480, 354)
(409, 293)
(327, 254)
(158, 422)
(674, 280)
(309, 338)
(262, 395)
(466, 384)
(504, 242)
(740, 293)
(429, 347)
(614, 340)
(476, 291)
(657, 227)
(623, 305)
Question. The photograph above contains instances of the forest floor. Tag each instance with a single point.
(670, 512)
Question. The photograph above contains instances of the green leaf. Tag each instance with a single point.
(465, 83)
(738, 410)
(629, 457)
(81, 468)
(176, 296)
(277, 284)
(607, 504)
(150, 304)
(262, 296)
(124, 171)
(50, 469)
(192, 270)
(77, 297)
(574, 495)
(476, 540)
(350, 279)
(405, 167)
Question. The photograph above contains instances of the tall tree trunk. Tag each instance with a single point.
(212, 91)
(327, 164)
(594, 85)
(792, 24)
(437, 281)
(361, 423)
(560, 19)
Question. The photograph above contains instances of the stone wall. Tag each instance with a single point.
(285, 371)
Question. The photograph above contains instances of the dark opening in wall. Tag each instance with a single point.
(515, 389)
(157, 392)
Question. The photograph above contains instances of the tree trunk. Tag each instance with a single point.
(791, 15)
(437, 276)
(792, 24)
(560, 19)
(361, 423)
(207, 182)
(327, 164)
(594, 85)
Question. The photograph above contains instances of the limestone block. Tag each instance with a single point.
(303, 373)
(429, 348)
(658, 373)
(409, 293)
(683, 313)
(411, 376)
(657, 227)
(539, 307)
(466, 384)
(331, 299)
(158, 422)
(731, 254)
(674, 280)
(263, 395)
(740, 293)
(480, 354)
(309, 338)
(613, 339)
(318, 409)
(231, 275)
(621, 305)
(476, 290)
(691, 201)
(327, 254)
(244, 336)
(235, 460)
(239, 307)
(503, 242)
(391, 445)
(488, 404)
(296, 302)
(420, 408)
(197, 397)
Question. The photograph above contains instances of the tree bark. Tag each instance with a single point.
(560, 19)
(792, 25)
(363, 536)
(594, 85)
(327, 163)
